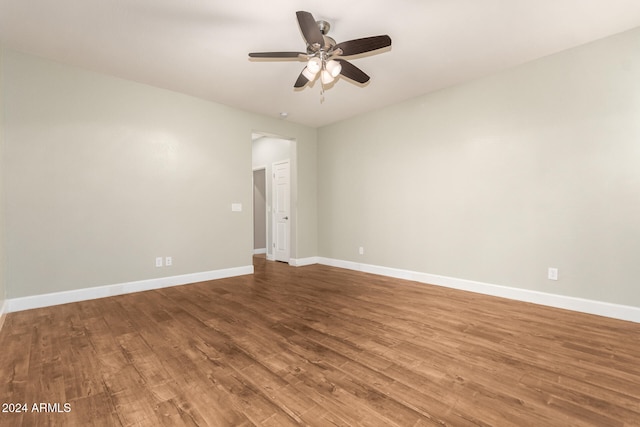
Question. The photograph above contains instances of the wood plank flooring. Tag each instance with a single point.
(317, 346)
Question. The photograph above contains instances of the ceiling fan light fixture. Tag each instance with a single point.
(321, 49)
(334, 68)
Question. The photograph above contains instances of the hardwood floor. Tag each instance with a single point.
(318, 346)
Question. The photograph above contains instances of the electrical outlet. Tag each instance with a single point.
(168, 261)
(552, 273)
(159, 261)
(361, 250)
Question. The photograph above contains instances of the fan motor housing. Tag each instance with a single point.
(329, 42)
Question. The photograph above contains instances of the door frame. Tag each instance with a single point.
(293, 188)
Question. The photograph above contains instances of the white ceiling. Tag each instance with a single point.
(200, 47)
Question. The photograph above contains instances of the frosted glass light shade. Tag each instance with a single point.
(308, 74)
(326, 77)
(314, 65)
(334, 68)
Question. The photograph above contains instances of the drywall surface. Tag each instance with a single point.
(259, 210)
(2, 204)
(103, 175)
(499, 179)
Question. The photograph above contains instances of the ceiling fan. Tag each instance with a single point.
(324, 56)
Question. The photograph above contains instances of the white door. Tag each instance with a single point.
(281, 211)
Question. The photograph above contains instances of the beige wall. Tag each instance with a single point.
(259, 209)
(498, 179)
(2, 204)
(103, 175)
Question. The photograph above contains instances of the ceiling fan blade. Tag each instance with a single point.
(352, 72)
(309, 28)
(367, 44)
(276, 54)
(302, 80)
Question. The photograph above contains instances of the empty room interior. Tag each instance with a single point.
(405, 213)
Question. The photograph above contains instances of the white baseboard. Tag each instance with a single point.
(616, 311)
(64, 297)
(3, 313)
(301, 262)
(260, 251)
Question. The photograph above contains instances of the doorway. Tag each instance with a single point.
(268, 153)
